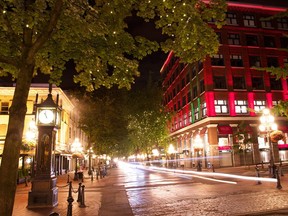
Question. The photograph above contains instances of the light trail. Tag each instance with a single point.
(202, 174)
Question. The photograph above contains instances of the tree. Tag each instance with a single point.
(40, 36)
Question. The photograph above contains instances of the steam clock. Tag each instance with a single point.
(44, 192)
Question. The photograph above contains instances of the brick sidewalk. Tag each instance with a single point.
(102, 197)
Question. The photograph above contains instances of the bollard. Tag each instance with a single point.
(274, 168)
(82, 202)
(26, 181)
(68, 178)
(79, 193)
(213, 168)
(70, 200)
(280, 168)
(92, 176)
(278, 179)
(258, 175)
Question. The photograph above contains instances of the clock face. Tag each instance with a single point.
(46, 116)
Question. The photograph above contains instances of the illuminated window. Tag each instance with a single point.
(282, 23)
(217, 60)
(266, 24)
(221, 106)
(236, 61)
(196, 113)
(231, 19)
(4, 107)
(204, 109)
(249, 20)
(259, 105)
(241, 106)
(234, 39)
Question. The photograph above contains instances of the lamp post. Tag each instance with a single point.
(268, 125)
(171, 150)
(77, 149)
(198, 146)
(90, 152)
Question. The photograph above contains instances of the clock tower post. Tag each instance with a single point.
(44, 192)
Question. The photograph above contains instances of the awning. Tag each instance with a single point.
(224, 129)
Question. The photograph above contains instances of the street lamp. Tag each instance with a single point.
(90, 152)
(77, 149)
(198, 146)
(171, 150)
(268, 125)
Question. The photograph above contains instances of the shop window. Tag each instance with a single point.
(249, 20)
(202, 86)
(217, 60)
(4, 107)
(284, 42)
(275, 84)
(266, 24)
(259, 105)
(257, 83)
(282, 23)
(241, 106)
(272, 62)
(239, 82)
(269, 41)
(219, 82)
(231, 19)
(254, 61)
(221, 106)
(234, 39)
(251, 40)
(236, 61)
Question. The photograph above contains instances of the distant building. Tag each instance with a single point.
(66, 134)
(212, 98)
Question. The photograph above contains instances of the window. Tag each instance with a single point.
(259, 105)
(251, 40)
(236, 61)
(200, 66)
(183, 83)
(272, 62)
(204, 109)
(257, 83)
(284, 42)
(187, 78)
(4, 107)
(178, 88)
(196, 113)
(217, 60)
(249, 20)
(266, 24)
(254, 61)
(275, 84)
(241, 106)
(202, 86)
(175, 107)
(189, 96)
(174, 92)
(195, 94)
(179, 104)
(269, 41)
(193, 72)
(282, 23)
(219, 82)
(239, 82)
(234, 39)
(183, 101)
(219, 37)
(231, 19)
(185, 119)
(221, 106)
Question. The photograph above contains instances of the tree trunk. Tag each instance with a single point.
(11, 152)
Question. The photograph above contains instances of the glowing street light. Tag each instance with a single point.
(77, 149)
(267, 125)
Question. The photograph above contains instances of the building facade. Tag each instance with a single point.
(214, 98)
(66, 134)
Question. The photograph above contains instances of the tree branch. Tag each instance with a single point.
(48, 29)
(9, 60)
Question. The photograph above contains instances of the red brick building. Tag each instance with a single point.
(212, 98)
